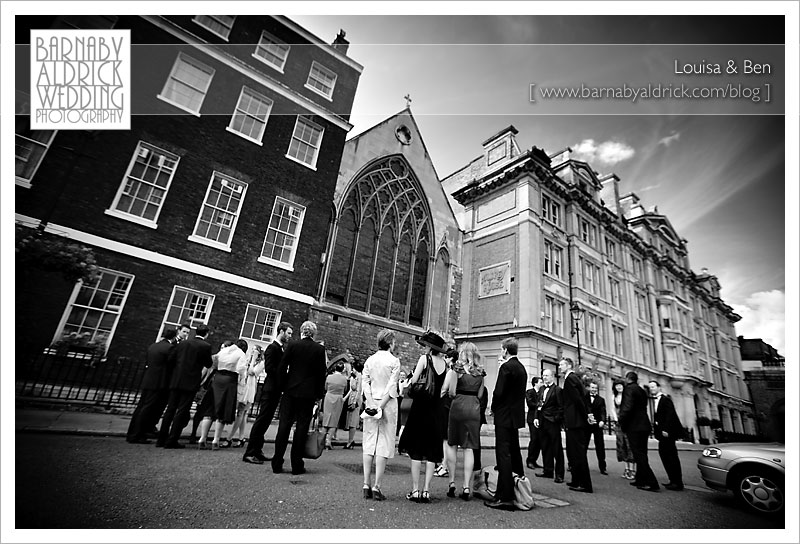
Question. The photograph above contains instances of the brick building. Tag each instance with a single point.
(214, 208)
(765, 376)
(544, 235)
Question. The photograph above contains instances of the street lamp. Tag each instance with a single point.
(577, 313)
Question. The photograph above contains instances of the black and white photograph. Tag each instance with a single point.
(400, 271)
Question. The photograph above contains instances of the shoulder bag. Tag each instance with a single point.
(425, 385)
(315, 440)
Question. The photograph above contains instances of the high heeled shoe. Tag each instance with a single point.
(413, 496)
(350, 445)
(451, 491)
(377, 495)
(465, 495)
(366, 491)
(425, 497)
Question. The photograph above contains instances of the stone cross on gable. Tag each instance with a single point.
(408, 100)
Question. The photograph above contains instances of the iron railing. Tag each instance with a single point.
(84, 379)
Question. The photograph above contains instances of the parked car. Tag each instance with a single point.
(755, 472)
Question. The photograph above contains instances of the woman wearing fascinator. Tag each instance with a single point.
(464, 383)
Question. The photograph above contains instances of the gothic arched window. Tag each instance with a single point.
(381, 250)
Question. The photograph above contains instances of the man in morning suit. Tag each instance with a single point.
(597, 407)
(270, 395)
(301, 377)
(508, 407)
(548, 418)
(535, 444)
(155, 389)
(667, 428)
(633, 420)
(190, 357)
(576, 425)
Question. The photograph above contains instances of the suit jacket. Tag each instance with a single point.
(597, 407)
(666, 419)
(190, 357)
(158, 372)
(551, 407)
(272, 360)
(576, 413)
(532, 400)
(632, 414)
(508, 400)
(302, 371)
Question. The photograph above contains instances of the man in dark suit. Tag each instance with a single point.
(548, 418)
(532, 400)
(270, 395)
(155, 389)
(576, 424)
(633, 420)
(190, 357)
(508, 407)
(301, 377)
(597, 407)
(667, 428)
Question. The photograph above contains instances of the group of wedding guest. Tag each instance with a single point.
(431, 432)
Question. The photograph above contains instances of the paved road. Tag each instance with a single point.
(82, 482)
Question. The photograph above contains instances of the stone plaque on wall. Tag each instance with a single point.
(494, 280)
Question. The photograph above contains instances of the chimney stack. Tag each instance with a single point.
(340, 44)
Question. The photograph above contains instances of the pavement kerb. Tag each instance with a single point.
(29, 420)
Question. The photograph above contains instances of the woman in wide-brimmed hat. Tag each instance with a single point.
(422, 438)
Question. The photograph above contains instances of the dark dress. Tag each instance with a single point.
(464, 428)
(422, 436)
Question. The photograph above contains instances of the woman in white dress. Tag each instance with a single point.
(245, 395)
(379, 384)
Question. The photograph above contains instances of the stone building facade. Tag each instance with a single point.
(544, 234)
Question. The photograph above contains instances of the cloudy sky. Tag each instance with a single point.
(714, 167)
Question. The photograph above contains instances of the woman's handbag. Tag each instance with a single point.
(315, 440)
(425, 385)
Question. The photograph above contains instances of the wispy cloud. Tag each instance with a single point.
(764, 316)
(608, 152)
(666, 141)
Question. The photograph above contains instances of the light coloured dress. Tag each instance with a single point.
(378, 381)
(248, 381)
(354, 399)
(335, 386)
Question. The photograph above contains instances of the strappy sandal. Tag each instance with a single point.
(413, 496)
(237, 443)
(426, 497)
(465, 495)
(224, 443)
(451, 491)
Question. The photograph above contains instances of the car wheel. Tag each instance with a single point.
(760, 490)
